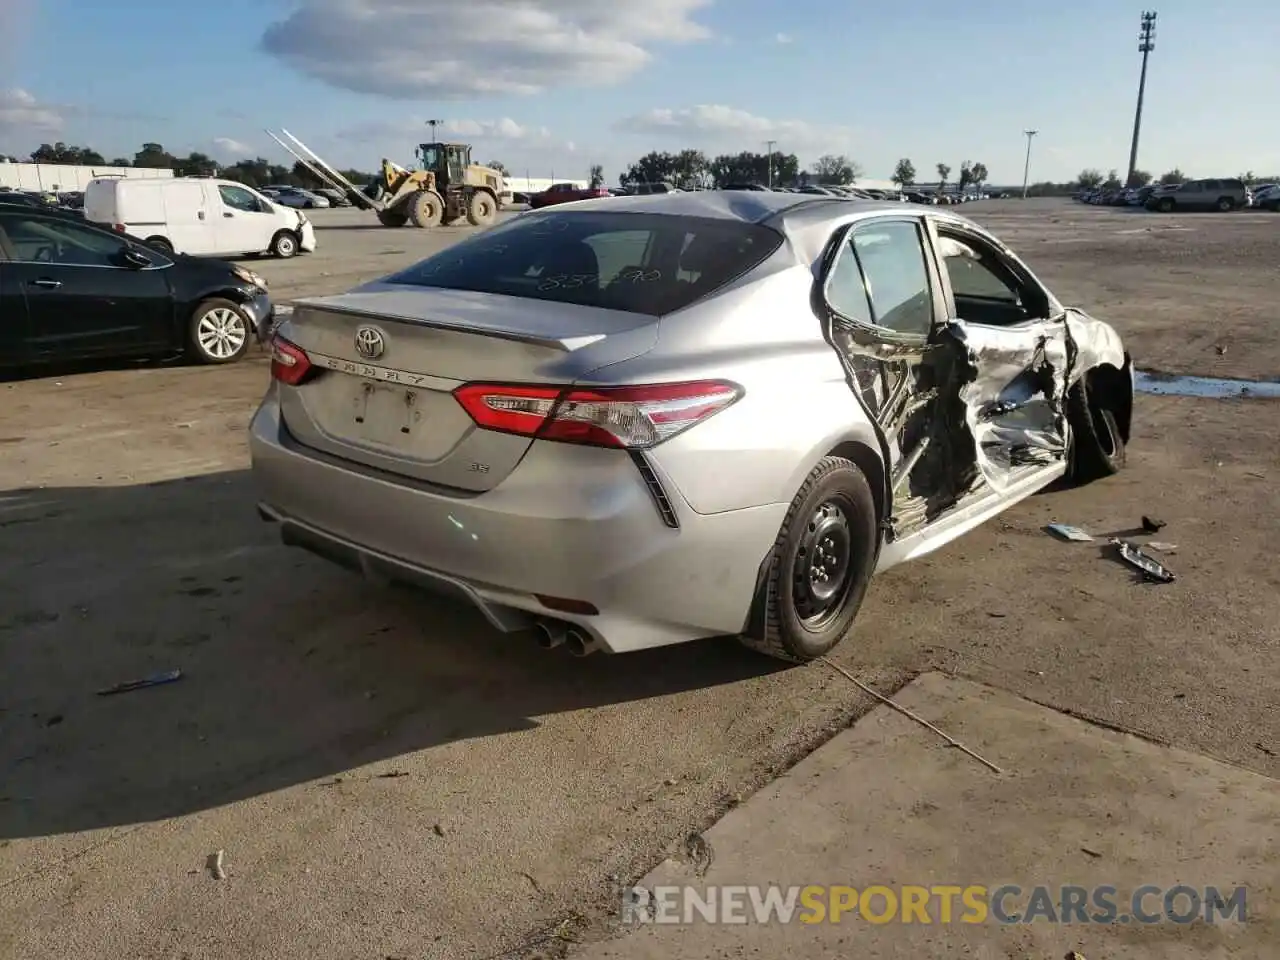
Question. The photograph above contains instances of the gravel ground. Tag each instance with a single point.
(388, 778)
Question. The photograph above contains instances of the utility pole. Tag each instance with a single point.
(1026, 169)
(770, 145)
(1146, 43)
(433, 124)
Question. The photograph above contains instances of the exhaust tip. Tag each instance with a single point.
(580, 645)
(549, 635)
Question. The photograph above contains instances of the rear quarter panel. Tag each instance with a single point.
(796, 406)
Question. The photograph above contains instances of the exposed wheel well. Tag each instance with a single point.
(1112, 388)
(868, 461)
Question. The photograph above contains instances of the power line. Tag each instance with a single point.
(1146, 43)
(1026, 169)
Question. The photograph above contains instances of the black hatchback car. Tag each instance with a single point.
(71, 290)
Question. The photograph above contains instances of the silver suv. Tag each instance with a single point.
(1221, 195)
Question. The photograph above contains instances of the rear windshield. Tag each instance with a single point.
(638, 262)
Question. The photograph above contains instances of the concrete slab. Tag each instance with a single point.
(888, 803)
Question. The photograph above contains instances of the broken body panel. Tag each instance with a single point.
(972, 412)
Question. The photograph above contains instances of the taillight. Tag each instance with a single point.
(289, 362)
(626, 417)
(119, 228)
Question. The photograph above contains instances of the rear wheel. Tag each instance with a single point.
(1225, 204)
(218, 333)
(284, 244)
(160, 243)
(482, 209)
(1165, 205)
(822, 563)
(392, 218)
(426, 209)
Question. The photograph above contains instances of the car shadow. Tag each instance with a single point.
(293, 670)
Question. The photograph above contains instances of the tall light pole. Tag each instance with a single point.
(769, 144)
(1146, 43)
(433, 124)
(1026, 169)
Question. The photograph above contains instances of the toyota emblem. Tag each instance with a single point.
(370, 343)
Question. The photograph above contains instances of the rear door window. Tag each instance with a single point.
(891, 254)
(639, 263)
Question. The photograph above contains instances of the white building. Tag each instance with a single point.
(63, 178)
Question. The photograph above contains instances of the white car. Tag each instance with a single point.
(200, 216)
(297, 197)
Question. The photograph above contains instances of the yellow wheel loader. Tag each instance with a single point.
(448, 188)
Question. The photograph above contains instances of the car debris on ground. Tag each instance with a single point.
(1149, 567)
(155, 680)
(1066, 532)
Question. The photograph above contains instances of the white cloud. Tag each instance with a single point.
(21, 113)
(448, 49)
(728, 126)
(784, 38)
(227, 147)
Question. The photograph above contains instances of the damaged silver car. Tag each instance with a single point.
(644, 420)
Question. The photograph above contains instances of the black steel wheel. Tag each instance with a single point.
(821, 573)
(821, 564)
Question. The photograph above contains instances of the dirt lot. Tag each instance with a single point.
(388, 778)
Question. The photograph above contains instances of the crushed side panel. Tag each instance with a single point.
(976, 409)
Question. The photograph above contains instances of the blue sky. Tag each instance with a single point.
(552, 86)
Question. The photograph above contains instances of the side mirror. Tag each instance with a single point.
(136, 259)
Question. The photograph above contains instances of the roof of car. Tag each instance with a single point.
(806, 219)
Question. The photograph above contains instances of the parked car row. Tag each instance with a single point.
(1218, 194)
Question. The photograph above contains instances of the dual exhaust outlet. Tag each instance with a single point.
(551, 634)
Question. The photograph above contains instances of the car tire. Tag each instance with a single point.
(219, 332)
(832, 518)
(284, 245)
(1225, 205)
(161, 243)
(1097, 448)
(1165, 205)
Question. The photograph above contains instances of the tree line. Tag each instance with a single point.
(695, 170)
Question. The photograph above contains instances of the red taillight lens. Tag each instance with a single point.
(628, 417)
(289, 362)
(118, 227)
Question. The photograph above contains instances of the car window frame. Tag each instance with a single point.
(158, 260)
(841, 245)
(257, 203)
(967, 233)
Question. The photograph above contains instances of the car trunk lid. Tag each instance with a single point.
(388, 402)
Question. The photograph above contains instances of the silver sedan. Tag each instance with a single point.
(644, 420)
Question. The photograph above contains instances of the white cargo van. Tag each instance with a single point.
(199, 216)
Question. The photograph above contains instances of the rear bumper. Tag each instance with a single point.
(570, 522)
